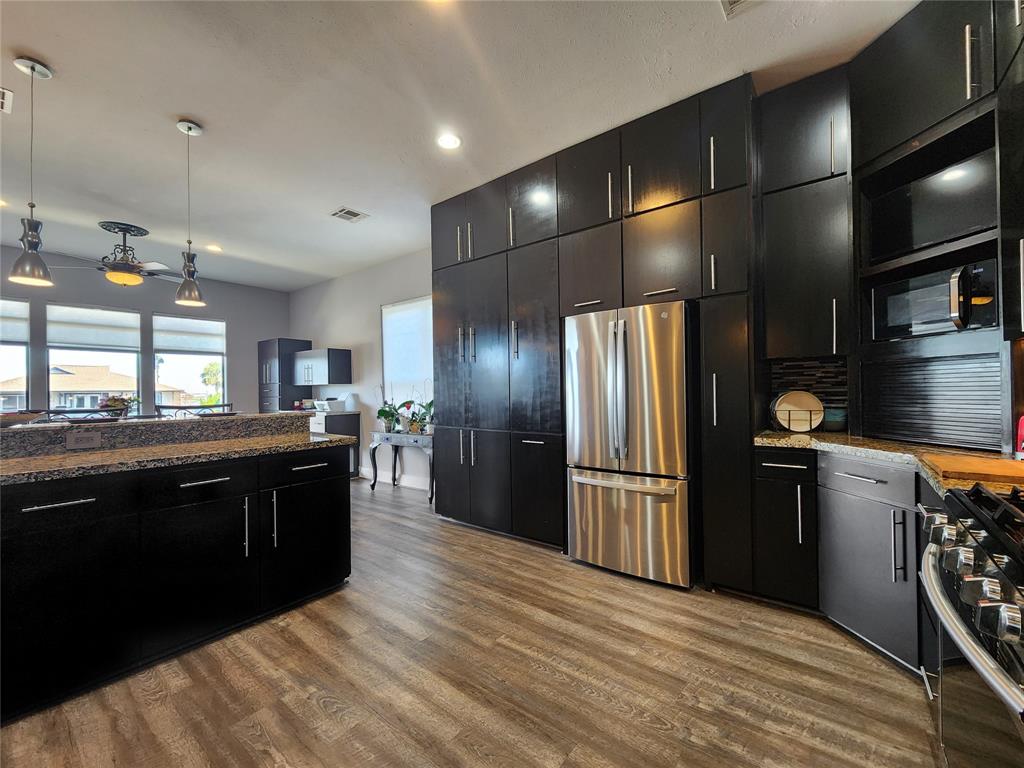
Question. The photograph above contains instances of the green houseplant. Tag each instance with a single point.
(388, 414)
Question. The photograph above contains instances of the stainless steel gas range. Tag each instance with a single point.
(973, 575)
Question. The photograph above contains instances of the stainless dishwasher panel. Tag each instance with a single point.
(637, 525)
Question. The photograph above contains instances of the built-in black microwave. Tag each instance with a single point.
(948, 301)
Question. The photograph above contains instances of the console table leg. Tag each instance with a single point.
(430, 462)
(394, 464)
(373, 463)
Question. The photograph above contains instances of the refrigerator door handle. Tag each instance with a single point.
(618, 485)
(621, 390)
(613, 443)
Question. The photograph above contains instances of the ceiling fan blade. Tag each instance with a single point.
(152, 265)
(63, 267)
(168, 278)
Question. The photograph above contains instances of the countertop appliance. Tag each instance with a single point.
(973, 575)
(626, 441)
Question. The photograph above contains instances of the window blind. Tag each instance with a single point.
(13, 321)
(189, 334)
(89, 328)
(408, 341)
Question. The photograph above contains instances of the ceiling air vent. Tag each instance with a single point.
(6, 100)
(349, 215)
(731, 7)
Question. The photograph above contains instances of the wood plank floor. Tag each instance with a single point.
(454, 647)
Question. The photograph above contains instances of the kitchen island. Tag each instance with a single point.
(164, 535)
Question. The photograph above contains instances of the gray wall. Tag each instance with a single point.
(251, 314)
(345, 312)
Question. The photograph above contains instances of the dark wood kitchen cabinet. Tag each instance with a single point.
(277, 385)
(451, 473)
(486, 220)
(726, 442)
(724, 134)
(449, 335)
(473, 477)
(807, 266)
(661, 158)
(304, 540)
(588, 183)
(538, 487)
(532, 199)
(1009, 31)
(590, 270)
(1010, 136)
(535, 350)
(200, 567)
(725, 247)
(933, 62)
(447, 231)
(661, 255)
(486, 305)
(70, 585)
(804, 131)
(867, 566)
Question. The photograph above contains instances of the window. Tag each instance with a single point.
(407, 333)
(189, 358)
(93, 355)
(13, 355)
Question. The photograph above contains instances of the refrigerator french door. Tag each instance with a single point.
(626, 446)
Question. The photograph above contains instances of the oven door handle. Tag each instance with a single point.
(960, 297)
(1011, 694)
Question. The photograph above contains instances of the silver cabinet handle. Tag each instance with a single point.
(273, 499)
(469, 239)
(59, 504)
(629, 187)
(590, 303)
(194, 483)
(799, 516)
(856, 477)
(609, 391)
(462, 347)
(472, 343)
(782, 466)
(968, 75)
(714, 399)
(472, 448)
(462, 450)
(458, 243)
(661, 291)
(835, 327)
(511, 239)
(714, 277)
(310, 466)
(831, 145)
(533, 442)
(903, 567)
(618, 485)
(609, 194)
(515, 339)
(245, 542)
(1020, 260)
(711, 143)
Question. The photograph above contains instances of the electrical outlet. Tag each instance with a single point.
(81, 439)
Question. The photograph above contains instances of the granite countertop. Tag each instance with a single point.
(879, 450)
(76, 464)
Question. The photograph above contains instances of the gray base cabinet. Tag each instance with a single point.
(867, 579)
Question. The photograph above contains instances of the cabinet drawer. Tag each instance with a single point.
(49, 504)
(270, 391)
(303, 466)
(880, 481)
(198, 483)
(793, 464)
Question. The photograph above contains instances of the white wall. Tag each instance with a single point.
(251, 314)
(345, 312)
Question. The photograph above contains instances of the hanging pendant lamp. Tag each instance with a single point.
(29, 268)
(188, 294)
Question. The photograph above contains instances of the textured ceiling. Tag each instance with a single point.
(310, 106)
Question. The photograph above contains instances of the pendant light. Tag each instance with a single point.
(188, 294)
(29, 268)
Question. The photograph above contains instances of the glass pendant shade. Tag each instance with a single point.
(30, 269)
(188, 294)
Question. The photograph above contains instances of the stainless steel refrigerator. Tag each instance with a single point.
(626, 441)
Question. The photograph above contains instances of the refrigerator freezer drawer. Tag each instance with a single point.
(637, 525)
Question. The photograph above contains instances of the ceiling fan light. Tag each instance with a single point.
(123, 278)
(30, 269)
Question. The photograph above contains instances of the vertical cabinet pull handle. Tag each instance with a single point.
(835, 326)
(714, 399)
(968, 74)
(462, 347)
(472, 344)
(274, 502)
(511, 238)
(711, 144)
(472, 448)
(799, 516)
(901, 522)
(831, 145)
(245, 542)
(629, 186)
(714, 277)
(462, 450)
(609, 194)
(458, 243)
(469, 239)
(515, 339)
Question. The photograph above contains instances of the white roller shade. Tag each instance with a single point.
(85, 327)
(407, 329)
(13, 321)
(188, 334)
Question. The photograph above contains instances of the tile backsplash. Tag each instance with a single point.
(824, 378)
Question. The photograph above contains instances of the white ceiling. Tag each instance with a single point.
(310, 106)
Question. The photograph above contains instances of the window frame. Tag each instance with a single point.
(25, 351)
(112, 350)
(223, 368)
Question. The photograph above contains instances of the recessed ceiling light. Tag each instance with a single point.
(214, 248)
(448, 140)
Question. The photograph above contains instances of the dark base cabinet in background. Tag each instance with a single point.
(451, 473)
(538, 487)
(278, 391)
(472, 475)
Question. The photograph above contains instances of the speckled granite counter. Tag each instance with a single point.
(876, 450)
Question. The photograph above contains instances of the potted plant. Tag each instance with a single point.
(388, 414)
(405, 413)
(427, 416)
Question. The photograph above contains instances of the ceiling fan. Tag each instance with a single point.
(120, 266)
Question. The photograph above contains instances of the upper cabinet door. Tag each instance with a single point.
(485, 296)
(661, 255)
(588, 183)
(934, 61)
(804, 130)
(724, 117)
(535, 352)
(1010, 129)
(532, 213)
(725, 248)
(448, 232)
(486, 220)
(661, 158)
(1009, 32)
(807, 267)
(590, 270)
